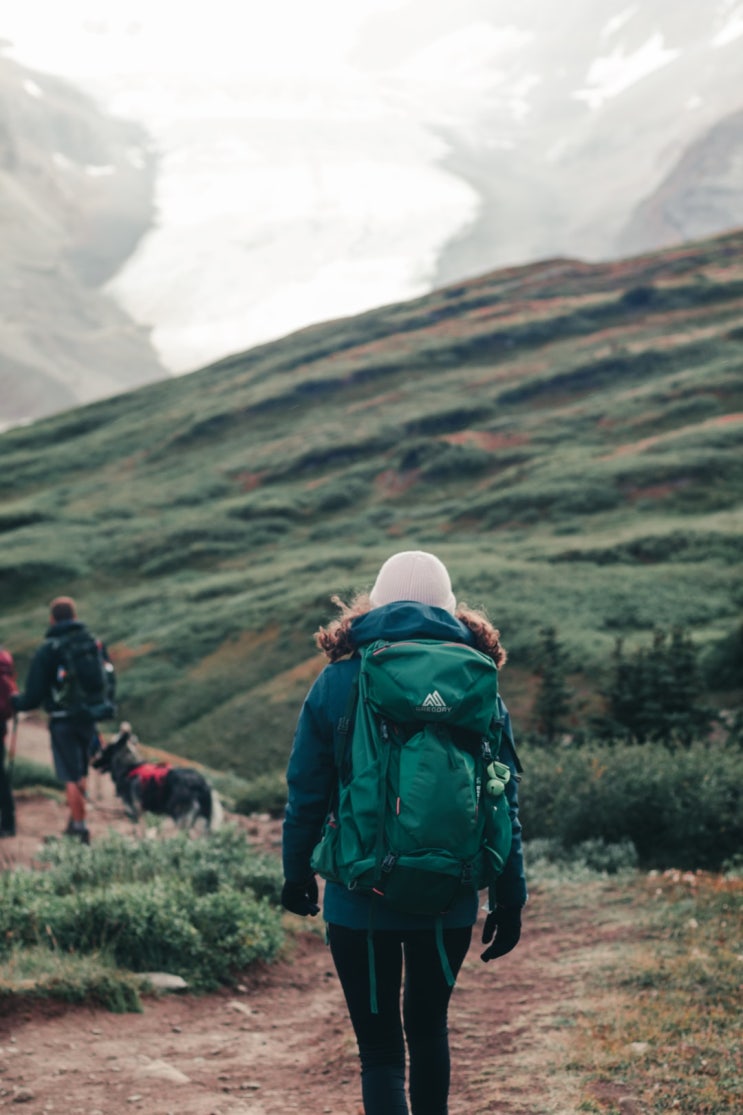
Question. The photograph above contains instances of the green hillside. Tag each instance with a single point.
(567, 437)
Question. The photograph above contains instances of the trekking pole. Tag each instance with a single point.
(11, 749)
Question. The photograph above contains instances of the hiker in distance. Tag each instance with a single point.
(380, 919)
(71, 676)
(8, 689)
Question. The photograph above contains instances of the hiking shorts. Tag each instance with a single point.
(72, 743)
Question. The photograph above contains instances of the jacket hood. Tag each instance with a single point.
(408, 620)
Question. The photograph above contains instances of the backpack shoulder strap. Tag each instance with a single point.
(55, 650)
(345, 730)
(500, 720)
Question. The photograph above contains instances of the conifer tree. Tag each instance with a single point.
(552, 705)
(657, 695)
(689, 718)
(618, 721)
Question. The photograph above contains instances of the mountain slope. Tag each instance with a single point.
(566, 436)
(702, 194)
(75, 197)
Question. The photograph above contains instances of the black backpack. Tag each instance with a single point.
(84, 681)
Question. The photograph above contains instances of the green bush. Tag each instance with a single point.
(265, 794)
(159, 926)
(549, 858)
(201, 909)
(120, 859)
(27, 773)
(41, 974)
(680, 810)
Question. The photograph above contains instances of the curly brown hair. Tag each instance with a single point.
(335, 640)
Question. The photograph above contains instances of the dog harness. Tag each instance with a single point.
(151, 782)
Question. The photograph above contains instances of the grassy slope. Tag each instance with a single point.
(567, 437)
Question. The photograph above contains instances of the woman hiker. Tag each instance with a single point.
(411, 599)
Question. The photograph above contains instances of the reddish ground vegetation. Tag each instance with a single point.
(481, 439)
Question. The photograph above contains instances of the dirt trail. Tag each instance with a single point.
(281, 1042)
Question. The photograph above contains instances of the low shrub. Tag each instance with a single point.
(41, 974)
(681, 809)
(158, 926)
(118, 859)
(201, 909)
(27, 773)
(265, 794)
(547, 858)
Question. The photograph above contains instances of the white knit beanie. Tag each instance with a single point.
(414, 575)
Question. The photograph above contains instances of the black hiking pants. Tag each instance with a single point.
(423, 1023)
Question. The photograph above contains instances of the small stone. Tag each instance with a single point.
(638, 1048)
(234, 1004)
(23, 1096)
(164, 981)
(160, 1070)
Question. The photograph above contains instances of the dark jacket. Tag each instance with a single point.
(39, 689)
(311, 774)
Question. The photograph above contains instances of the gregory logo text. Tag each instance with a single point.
(434, 702)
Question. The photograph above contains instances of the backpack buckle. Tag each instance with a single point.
(388, 862)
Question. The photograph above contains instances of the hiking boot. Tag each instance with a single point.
(81, 834)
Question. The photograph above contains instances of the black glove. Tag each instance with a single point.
(301, 898)
(502, 927)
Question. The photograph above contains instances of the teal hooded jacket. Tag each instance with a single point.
(312, 774)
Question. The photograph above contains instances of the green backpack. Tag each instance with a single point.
(421, 813)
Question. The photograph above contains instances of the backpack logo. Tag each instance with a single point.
(434, 702)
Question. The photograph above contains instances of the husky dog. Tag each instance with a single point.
(180, 792)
